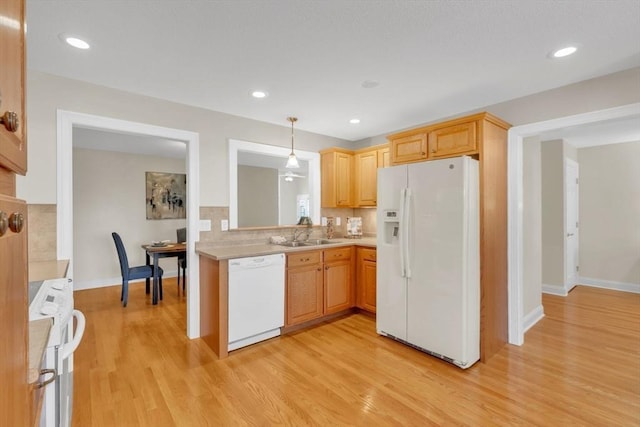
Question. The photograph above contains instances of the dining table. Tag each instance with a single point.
(155, 252)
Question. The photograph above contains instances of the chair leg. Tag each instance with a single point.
(160, 287)
(184, 279)
(125, 292)
(178, 278)
(147, 285)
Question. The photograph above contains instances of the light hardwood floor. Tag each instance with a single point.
(580, 365)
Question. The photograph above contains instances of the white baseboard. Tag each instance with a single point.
(554, 290)
(533, 317)
(79, 285)
(609, 284)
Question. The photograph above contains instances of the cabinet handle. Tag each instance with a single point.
(319, 269)
(4, 223)
(16, 222)
(10, 121)
(48, 381)
(326, 268)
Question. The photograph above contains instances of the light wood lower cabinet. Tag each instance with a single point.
(318, 283)
(366, 279)
(338, 280)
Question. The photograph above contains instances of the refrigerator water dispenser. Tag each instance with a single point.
(391, 226)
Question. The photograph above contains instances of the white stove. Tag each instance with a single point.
(54, 299)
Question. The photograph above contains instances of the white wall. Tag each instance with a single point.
(109, 195)
(532, 226)
(610, 213)
(552, 164)
(47, 93)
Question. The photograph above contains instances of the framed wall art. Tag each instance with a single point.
(166, 195)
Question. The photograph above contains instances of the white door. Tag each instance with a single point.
(571, 224)
(391, 292)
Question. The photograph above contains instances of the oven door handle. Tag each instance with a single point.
(69, 348)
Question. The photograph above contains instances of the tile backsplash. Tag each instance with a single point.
(217, 237)
(42, 234)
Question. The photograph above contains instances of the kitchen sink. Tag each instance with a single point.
(313, 242)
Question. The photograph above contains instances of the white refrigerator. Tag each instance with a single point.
(428, 266)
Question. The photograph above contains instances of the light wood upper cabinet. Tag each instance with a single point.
(366, 188)
(336, 178)
(409, 148)
(367, 162)
(366, 279)
(453, 140)
(13, 142)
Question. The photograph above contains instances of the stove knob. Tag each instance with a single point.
(4, 223)
(16, 222)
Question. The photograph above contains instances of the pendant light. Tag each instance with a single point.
(292, 163)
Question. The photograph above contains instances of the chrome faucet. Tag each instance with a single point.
(297, 232)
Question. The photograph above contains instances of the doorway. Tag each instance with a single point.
(66, 121)
(516, 196)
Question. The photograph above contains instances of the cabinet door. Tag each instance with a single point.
(366, 279)
(384, 157)
(304, 293)
(13, 149)
(453, 140)
(412, 148)
(336, 179)
(14, 393)
(337, 286)
(343, 179)
(366, 167)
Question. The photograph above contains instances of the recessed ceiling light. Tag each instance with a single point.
(259, 94)
(76, 42)
(565, 51)
(370, 84)
(354, 121)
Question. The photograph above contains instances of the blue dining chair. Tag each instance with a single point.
(132, 273)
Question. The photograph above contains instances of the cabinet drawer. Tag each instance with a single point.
(337, 254)
(304, 258)
(368, 254)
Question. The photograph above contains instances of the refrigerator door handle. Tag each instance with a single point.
(401, 237)
(407, 232)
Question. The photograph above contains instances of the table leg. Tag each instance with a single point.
(155, 278)
(146, 281)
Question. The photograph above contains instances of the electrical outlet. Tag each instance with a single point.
(338, 220)
(205, 225)
(323, 221)
(224, 225)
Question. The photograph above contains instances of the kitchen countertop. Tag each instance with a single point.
(38, 338)
(43, 270)
(240, 251)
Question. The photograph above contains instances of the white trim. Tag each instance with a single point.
(66, 120)
(609, 284)
(515, 201)
(534, 316)
(271, 150)
(79, 285)
(554, 290)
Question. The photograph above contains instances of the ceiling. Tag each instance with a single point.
(430, 59)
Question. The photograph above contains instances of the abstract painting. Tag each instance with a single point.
(166, 195)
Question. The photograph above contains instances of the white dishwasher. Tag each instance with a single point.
(256, 299)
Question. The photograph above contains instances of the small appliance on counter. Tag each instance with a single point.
(354, 227)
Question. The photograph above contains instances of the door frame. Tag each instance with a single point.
(66, 120)
(570, 274)
(516, 136)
